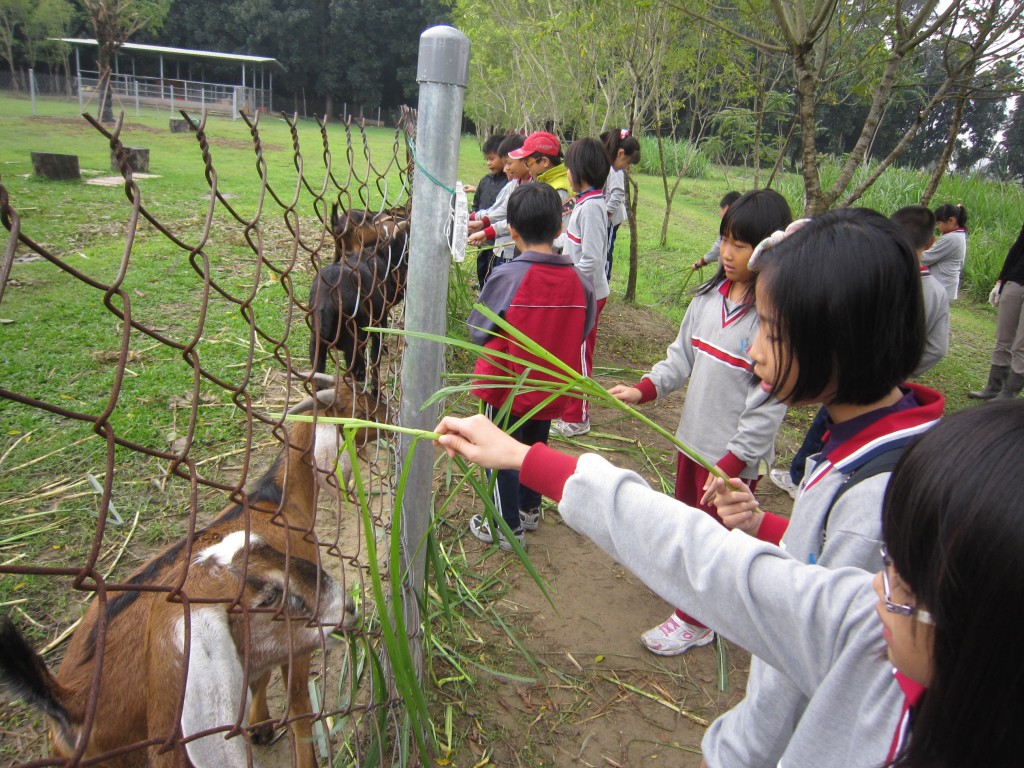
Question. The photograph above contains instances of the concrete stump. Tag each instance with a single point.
(179, 125)
(53, 166)
(138, 159)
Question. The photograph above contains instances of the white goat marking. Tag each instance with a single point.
(325, 446)
(224, 551)
(213, 691)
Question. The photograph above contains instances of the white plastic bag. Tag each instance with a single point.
(460, 224)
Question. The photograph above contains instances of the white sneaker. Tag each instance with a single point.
(529, 519)
(481, 529)
(781, 478)
(570, 428)
(674, 636)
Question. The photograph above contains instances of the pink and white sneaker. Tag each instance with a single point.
(674, 636)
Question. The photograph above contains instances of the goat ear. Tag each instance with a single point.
(214, 692)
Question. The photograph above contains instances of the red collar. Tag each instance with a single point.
(730, 316)
(912, 693)
(884, 433)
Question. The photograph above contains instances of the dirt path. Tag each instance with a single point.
(600, 699)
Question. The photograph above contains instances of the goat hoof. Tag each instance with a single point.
(262, 734)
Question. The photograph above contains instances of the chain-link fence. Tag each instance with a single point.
(151, 479)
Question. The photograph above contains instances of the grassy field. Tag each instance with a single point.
(203, 357)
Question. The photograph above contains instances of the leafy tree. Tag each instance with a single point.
(1013, 141)
(113, 22)
(356, 51)
(13, 15)
(49, 19)
(870, 45)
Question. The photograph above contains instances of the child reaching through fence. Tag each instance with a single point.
(489, 224)
(543, 295)
(726, 417)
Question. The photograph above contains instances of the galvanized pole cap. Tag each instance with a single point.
(444, 57)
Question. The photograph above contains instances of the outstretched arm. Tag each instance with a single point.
(481, 441)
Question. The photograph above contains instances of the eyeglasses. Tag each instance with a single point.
(899, 608)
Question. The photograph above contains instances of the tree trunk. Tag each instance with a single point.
(947, 151)
(10, 65)
(781, 157)
(896, 151)
(806, 90)
(105, 111)
(632, 195)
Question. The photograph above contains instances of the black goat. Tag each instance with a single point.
(358, 291)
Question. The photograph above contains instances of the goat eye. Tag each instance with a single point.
(297, 604)
(270, 597)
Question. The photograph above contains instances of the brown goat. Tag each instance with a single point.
(246, 594)
(358, 291)
(359, 228)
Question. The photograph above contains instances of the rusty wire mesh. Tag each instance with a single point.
(162, 461)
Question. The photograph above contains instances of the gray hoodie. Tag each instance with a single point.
(816, 627)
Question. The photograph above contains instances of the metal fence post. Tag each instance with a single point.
(442, 72)
(32, 88)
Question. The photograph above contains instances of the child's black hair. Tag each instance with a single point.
(493, 144)
(729, 198)
(751, 219)
(587, 162)
(917, 223)
(842, 299)
(617, 139)
(955, 536)
(555, 159)
(950, 211)
(535, 210)
(510, 143)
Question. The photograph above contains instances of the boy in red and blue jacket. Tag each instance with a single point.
(543, 295)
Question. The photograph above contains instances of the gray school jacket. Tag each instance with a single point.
(586, 240)
(936, 321)
(725, 410)
(615, 197)
(816, 627)
(767, 727)
(946, 260)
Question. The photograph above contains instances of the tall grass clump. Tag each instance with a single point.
(995, 211)
(680, 157)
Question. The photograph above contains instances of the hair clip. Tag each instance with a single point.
(624, 134)
(774, 239)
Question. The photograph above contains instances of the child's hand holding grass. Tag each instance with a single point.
(480, 441)
(736, 505)
(629, 395)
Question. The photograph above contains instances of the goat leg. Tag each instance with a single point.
(261, 730)
(300, 711)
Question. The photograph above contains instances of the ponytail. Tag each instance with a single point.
(950, 211)
(617, 139)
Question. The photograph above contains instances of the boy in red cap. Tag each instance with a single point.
(542, 154)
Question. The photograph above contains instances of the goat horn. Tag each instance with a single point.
(315, 376)
(325, 397)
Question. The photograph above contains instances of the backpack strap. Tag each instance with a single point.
(876, 465)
